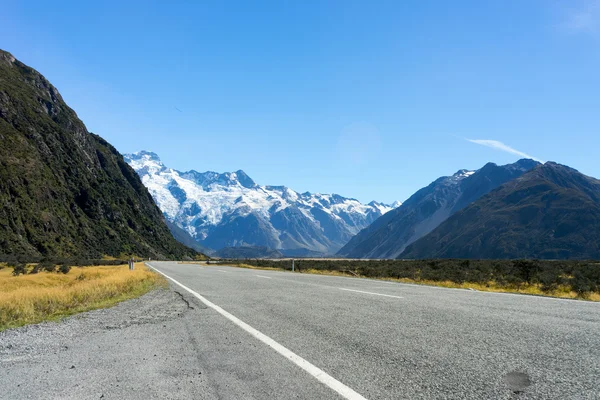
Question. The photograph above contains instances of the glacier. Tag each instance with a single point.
(229, 209)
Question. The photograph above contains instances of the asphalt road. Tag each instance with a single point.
(387, 340)
(276, 335)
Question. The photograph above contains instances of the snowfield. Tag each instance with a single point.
(230, 209)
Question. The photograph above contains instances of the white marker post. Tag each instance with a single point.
(292, 265)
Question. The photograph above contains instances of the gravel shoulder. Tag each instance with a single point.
(163, 345)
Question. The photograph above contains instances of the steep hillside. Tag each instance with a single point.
(184, 238)
(388, 236)
(230, 209)
(66, 192)
(552, 212)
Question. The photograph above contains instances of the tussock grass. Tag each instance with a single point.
(248, 266)
(530, 289)
(192, 262)
(27, 299)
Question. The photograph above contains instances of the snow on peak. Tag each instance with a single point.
(460, 175)
(384, 208)
(144, 160)
(200, 201)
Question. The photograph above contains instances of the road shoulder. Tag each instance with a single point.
(164, 344)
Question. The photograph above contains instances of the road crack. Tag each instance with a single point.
(187, 303)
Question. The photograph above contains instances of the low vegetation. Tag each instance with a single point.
(567, 279)
(47, 291)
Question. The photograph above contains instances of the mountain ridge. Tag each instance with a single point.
(550, 212)
(229, 209)
(67, 192)
(388, 236)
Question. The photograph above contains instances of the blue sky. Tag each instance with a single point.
(368, 99)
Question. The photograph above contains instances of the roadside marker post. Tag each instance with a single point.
(293, 266)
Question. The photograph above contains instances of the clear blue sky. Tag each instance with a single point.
(371, 100)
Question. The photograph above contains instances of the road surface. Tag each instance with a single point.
(254, 334)
(387, 340)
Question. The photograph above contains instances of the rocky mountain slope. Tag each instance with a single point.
(389, 235)
(551, 212)
(66, 192)
(230, 209)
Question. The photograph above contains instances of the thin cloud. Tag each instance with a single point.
(583, 19)
(494, 144)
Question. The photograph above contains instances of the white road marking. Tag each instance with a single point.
(375, 294)
(317, 373)
(220, 270)
(266, 277)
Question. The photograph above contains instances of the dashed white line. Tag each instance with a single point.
(317, 373)
(262, 276)
(374, 294)
(220, 270)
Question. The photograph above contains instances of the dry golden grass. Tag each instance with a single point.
(263, 268)
(192, 262)
(27, 299)
(530, 289)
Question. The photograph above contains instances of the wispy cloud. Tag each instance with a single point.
(582, 18)
(494, 144)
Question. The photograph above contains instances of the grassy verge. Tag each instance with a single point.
(529, 289)
(192, 262)
(535, 289)
(248, 266)
(34, 298)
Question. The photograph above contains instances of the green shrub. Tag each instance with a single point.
(48, 267)
(19, 269)
(64, 268)
(36, 268)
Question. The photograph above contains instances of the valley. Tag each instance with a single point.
(290, 200)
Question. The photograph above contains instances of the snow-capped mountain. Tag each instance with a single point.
(230, 209)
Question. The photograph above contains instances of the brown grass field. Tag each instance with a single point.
(27, 299)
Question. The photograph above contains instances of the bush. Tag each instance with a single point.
(48, 266)
(64, 268)
(36, 268)
(19, 269)
(550, 278)
(581, 284)
(527, 270)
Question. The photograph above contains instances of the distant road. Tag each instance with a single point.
(385, 340)
(253, 334)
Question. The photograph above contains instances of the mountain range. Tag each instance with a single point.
(221, 210)
(388, 236)
(66, 192)
(550, 212)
